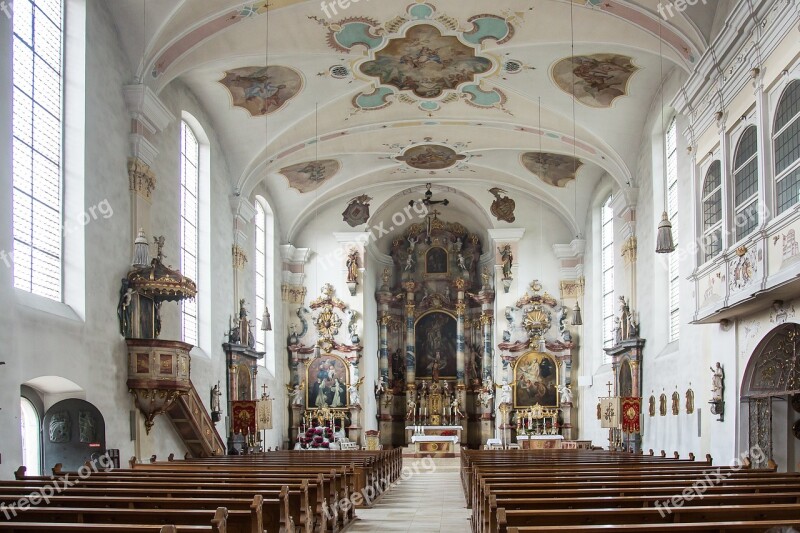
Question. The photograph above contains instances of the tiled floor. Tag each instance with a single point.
(428, 501)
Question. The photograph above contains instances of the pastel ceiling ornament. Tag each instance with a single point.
(430, 157)
(553, 169)
(597, 79)
(309, 176)
(262, 90)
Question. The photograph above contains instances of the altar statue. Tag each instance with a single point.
(215, 396)
(566, 394)
(505, 394)
(352, 266)
(296, 394)
(411, 407)
(455, 405)
(508, 260)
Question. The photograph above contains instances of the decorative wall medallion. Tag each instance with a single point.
(598, 79)
(262, 90)
(662, 405)
(676, 403)
(652, 406)
(430, 157)
(503, 206)
(306, 177)
(357, 211)
(554, 169)
(790, 248)
(689, 402)
(744, 269)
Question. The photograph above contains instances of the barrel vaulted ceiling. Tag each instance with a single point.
(321, 106)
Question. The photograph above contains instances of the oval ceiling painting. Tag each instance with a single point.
(554, 169)
(308, 176)
(598, 79)
(430, 157)
(262, 90)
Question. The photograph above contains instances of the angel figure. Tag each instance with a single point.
(506, 390)
(456, 406)
(566, 394)
(380, 387)
(355, 399)
(462, 262)
(411, 408)
(409, 263)
(296, 393)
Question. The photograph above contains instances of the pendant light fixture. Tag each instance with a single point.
(664, 242)
(577, 319)
(266, 320)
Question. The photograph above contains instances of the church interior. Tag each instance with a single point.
(284, 265)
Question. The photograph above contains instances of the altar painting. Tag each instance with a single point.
(327, 381)
(536, 381)
(436, 333)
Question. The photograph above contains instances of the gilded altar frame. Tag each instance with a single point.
(553, 380)
(313, 369)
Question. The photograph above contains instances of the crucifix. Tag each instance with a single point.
(428, 224)
(264, 394)
(609, 384)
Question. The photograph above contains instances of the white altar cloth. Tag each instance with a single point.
(434, 438)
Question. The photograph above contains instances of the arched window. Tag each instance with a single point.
(264, 297)
(261, 274)
(189, 223)
(671, 136)
(607, 267)
(787, 148)
(37, 152)
(31, 441)
(712, 212)
(745, 181)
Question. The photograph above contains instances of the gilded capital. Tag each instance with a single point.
(141, 179)
(239, 257)
(293, 294)
(629, 250)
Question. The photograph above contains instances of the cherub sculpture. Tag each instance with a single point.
(296, 393)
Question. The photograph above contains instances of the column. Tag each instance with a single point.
(411, 369)
(149, 116)
(461, 308)
(243, 214)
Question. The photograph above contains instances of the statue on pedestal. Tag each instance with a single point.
(718, 383)
(505, 394)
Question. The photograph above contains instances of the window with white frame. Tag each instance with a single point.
(37, 146)
(672, 211)
(712, 212)
(607, 267)
(745, 183)
(261, 274)
(190, 163)
(787, 148)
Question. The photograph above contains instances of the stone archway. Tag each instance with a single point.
(771, 379)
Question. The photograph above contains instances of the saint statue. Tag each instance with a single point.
(717, 383)
(566, 394)
(215, 396)
(505, 392)
(352, 266)
(508, 260)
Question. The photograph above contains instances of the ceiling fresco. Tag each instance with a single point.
(553, 169)
(597, 79)
(309, 176)
(430, 157)
(262, 90)
(425, 57)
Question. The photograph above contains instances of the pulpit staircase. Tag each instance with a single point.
(193, 424)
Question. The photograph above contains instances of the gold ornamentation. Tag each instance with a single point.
(141, 179)
(629, 250)
(293, 294)
(536, 322)
(740, 251)
(239, 257)
(486, 319)
(460, 284)
(572, 288)
(461, 309)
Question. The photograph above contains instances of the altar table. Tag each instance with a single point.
(540, 442)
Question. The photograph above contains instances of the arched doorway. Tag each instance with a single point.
(30, 430)
(771, 381)
(74, 432)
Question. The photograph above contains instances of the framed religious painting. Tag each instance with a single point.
(327, 379)
(435, 346)
(436, 261)
(536, 380)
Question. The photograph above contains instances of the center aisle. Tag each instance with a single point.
(430, 500)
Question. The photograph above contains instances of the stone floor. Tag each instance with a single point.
(429, 500)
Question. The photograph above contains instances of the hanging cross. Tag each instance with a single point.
(264, 390)
(609, 384)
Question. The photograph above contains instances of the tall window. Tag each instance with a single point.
(672, 211)
(37, 127)
(607, 286)
(787, 148)
(261, 274)
(31, 442)
(745, 180)
(712, 212)
(190, 156)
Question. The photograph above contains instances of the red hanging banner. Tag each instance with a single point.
(244, 417)
(631, 409)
